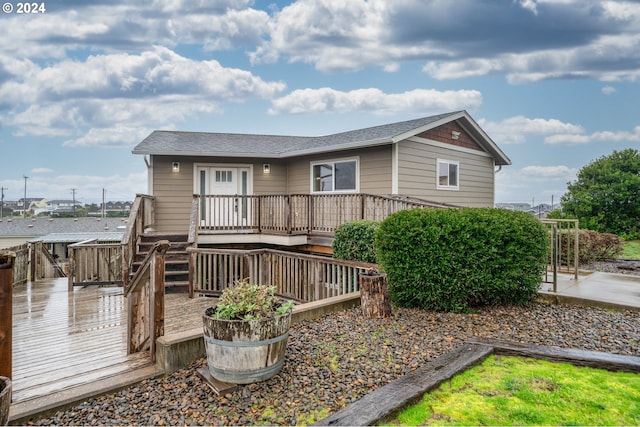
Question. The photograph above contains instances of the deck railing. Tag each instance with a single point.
(563, 248)
(141, 217)
(297, 276)
(20, 263)
(294, 213)
(93, 263)
(145, 302)
(43, 264)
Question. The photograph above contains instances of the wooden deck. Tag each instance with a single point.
(64, 339)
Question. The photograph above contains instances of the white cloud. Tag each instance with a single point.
(545, 173)
(122, 91)
(608, 90)
(530, 5)
(603, 136)
(596, 61)
(515, 130)
(533, 183)
(111, 137)
(88, 187)
(338, 35)
(418, 101)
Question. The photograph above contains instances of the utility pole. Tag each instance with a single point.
(24, 201)
(73, 192)
(104, 207)
(2, 201)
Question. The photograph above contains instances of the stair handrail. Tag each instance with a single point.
(141, 217)
(145, 302)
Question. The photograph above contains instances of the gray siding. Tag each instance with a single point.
(417, 171)
(375, 170)
(174, 191)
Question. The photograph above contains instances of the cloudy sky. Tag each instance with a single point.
(556, 83)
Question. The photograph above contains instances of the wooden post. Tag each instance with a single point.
(32, 262)
(6, 312)
(374, 295)
(156, 294)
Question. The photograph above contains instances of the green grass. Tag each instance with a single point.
(631, 249)
(506, 391)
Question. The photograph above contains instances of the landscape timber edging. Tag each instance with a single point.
(392, 398)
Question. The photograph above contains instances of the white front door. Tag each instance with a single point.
(225, 184)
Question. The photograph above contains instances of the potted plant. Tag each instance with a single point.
(5, 400)
(245, 334)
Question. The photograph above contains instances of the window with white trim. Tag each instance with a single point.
(334, 176)
(448, 174)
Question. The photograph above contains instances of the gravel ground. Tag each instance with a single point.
(621, 266)
(341, 357)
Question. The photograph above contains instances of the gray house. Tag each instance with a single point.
(442, 159)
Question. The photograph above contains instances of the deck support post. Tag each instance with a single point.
(6, 312)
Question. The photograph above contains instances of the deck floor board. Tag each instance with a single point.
(63, 339)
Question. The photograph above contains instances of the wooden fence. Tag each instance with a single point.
(20, 263)
(300, 277)
(93, 263)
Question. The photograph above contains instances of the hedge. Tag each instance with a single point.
(592, 246)
(354, 241)
(457, 259)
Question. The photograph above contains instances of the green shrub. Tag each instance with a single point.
(354, 241)
(455, 259)
(592, 246)
(248, 301)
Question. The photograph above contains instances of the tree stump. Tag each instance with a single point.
(374, 295)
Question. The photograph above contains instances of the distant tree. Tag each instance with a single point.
(606, 195)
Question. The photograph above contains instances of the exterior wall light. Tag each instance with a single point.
(266, 168)
(175, 167)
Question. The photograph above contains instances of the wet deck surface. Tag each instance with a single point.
(63, 339)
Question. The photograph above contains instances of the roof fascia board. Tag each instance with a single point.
(212, 154)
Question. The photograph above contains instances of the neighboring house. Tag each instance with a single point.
(31, 204)
(445, 158)
(57, 207)
(117, 206)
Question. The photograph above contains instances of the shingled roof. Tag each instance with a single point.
(279, 146)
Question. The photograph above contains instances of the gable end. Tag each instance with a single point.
(443, 133)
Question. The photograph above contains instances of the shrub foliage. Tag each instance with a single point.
(456, 259)
(354, 241)
(592, 246)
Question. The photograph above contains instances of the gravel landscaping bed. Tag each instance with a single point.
(333, 361)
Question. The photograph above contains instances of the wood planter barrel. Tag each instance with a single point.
(5, 400)
(245, 351)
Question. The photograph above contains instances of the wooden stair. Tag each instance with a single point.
(176, 260)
